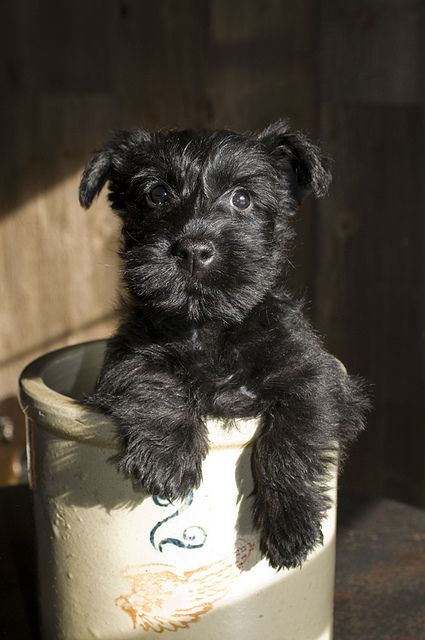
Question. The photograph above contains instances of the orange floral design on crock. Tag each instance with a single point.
(162, 598)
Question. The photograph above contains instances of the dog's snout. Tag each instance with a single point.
(193, 255)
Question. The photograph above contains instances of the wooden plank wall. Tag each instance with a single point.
(370, 278)
(346, 72)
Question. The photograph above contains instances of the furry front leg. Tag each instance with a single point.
(163, 439)
(312, 411)
(290, 496)
(164, 452)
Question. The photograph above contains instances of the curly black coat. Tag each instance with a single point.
(208, 324)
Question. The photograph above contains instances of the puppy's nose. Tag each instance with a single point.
(193, 255)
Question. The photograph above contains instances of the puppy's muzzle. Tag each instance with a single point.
(194, 256)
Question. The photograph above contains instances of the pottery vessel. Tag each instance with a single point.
(115, 563)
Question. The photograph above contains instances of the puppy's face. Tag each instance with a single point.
(204, 214)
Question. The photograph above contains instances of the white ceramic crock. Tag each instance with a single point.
(117, 564)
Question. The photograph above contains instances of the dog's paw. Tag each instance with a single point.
(289, 550)
(166, 472)
(287, 536)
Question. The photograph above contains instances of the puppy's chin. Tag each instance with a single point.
(197, 303)
(221, 307)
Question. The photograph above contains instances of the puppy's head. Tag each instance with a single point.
(205, 213)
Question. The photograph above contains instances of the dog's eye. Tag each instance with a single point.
(241, 199)
(157, 195)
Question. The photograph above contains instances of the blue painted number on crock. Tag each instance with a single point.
(192, 537)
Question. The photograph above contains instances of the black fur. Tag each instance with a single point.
(227, 340)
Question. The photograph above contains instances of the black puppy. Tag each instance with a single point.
(209, 327)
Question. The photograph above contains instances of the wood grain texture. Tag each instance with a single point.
(371, 284)
(73, 73)
(370, 277)
(349, 73)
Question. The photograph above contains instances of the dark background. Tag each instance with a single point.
(351, 74)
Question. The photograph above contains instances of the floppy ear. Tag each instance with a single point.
(306, 168)
(115, 161)
(95, 175)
